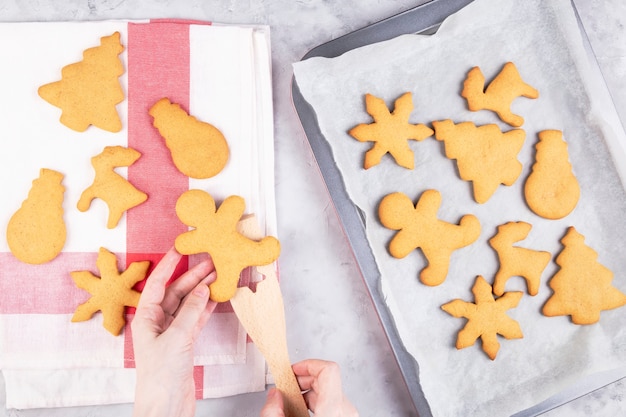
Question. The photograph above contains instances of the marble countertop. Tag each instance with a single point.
(329, 312)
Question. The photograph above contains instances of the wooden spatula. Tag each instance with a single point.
(262, 315)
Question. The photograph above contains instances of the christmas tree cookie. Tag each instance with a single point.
(582, 286)
(90, 89)
(484, 154)
(390, 131)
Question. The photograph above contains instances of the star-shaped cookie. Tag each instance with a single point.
(110, 292)
(390, 131)
(486, 316)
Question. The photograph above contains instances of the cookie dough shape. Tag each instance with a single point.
(90, 89)
(119, 194)
(419, 227)
(486, 317)
(515, 261)
(551, 190)
(390, 131)
(36, 232)
(198, 149)
(582, 286)
(215, 232)
(484, 154)
(111, 292)
(498, 96)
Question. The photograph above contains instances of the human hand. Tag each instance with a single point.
(321, 382)
(166, 324)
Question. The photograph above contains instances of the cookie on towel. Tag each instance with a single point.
(198, 149)
(111, 292)
(90, 89)
(36, 232)
(215, 232)
(118, 193)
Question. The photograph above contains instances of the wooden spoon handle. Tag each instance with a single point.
(262, 314)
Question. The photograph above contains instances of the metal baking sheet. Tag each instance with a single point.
(423, 19)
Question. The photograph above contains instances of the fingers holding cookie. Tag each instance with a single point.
(215, 232)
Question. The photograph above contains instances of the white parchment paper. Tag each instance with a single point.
(544, 41)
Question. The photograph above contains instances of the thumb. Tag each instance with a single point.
(274, 405)
(191, 310)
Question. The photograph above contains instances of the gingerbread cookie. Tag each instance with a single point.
(484, 154)
(36, 232)
(582, 286)
(498, 96)
(198, 149)
(215, 232)
(119, 194)
(486, 317)
(515, 261)
(390, 131)
(90, 89)
(419, 227)
(111, 292)
(552, 190)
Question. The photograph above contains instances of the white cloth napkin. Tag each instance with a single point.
(219, 74)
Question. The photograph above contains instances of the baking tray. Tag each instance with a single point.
(422, 19)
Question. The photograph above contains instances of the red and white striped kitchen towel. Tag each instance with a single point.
(217, 73)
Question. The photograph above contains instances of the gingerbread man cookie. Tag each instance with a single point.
(419, 227)
(215, 232)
